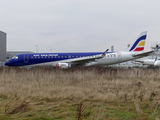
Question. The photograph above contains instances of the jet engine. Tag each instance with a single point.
(62, 65)
(157, 63)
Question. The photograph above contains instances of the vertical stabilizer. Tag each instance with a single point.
(139, 44)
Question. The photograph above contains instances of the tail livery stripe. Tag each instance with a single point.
(139, 49)
(139, 44)
(142, 43)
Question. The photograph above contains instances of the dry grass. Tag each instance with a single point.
(96, 84)
(79, 84)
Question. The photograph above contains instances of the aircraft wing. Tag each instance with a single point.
(143, 54)
(84, 60)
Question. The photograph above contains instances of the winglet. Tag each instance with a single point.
(105, 53)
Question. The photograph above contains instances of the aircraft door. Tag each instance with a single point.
(119, 55)
(69, 56)
(26, 58)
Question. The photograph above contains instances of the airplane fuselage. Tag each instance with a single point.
(64, 60)
(152, 62)
(51, 59)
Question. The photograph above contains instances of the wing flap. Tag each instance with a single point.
(83, 60)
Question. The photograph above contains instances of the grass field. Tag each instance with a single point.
(79, 94)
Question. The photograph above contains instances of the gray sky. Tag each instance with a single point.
(78, 25)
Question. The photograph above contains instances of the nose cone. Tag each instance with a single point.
(7, 63)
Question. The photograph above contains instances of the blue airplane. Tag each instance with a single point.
(65, 60)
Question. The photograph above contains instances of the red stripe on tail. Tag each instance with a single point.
(139, 49)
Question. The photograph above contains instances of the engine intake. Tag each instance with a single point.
(62, 65)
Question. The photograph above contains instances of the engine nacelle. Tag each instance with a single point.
(157, 63)
(148, 62)
(62, 65)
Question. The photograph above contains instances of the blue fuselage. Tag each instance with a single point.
(40, 58)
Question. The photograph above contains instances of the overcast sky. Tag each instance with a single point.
(78, 25)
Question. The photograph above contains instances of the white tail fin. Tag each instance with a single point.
(139, 44)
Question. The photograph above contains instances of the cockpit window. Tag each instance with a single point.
(15, 57)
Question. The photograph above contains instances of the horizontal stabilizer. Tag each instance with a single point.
(143, 54)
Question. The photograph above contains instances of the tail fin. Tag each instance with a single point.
(139, 43)
(156, 58)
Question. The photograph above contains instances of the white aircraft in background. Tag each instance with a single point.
(152, 62)
(65, 60)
